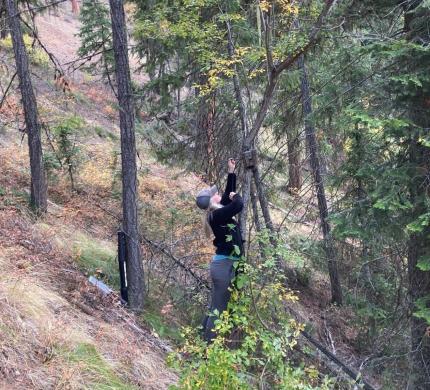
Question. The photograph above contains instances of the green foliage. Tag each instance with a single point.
(255, 338)
(65, 146)
(96, 258)
(98, 371)
(95, 35)
(36, 55)
(154, 318)
(52, 164)
(423, 308)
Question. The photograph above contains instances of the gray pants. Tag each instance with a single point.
(222, 272)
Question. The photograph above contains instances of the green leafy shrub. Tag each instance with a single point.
(94, 258)
(36, 55)
(255, 339)
(65, 147)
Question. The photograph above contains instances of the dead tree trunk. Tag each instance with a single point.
(336, 290)
(135, 278)
(38, 193)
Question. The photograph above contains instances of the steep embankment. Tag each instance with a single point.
(56, 330)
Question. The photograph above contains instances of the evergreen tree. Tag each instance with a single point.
(96, 38)
(135, 280)
(38, 191)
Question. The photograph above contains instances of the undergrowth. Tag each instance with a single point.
(37, 55)
(256, 339)
(99, 374)
(97, 258)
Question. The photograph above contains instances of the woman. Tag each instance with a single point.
(228, 242)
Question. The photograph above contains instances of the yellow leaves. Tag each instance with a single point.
(287, 7)
(265, 6)
(347, 146)
(290, 296)
(164, 26)
(222, 67)
(297, 327)
(312, 372)
(256, 72)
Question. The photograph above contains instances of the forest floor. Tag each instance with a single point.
(57, 331)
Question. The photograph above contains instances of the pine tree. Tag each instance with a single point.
(128, 157)
(96, 38)
(38, 181)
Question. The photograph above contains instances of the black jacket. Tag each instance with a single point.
(224, 226)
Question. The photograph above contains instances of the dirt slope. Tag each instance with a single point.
(56, 330)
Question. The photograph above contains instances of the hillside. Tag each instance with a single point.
(56, 329)
(59, 331)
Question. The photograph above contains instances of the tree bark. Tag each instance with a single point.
(75, 6)
(419, 280)
(263, 200)
(255, 208)
(38, 192)
(336, 290)
(419, 288)
(419, 242)
(3, 20)
(246, 186)
(135, 278)
(294, 173)
(418, 249)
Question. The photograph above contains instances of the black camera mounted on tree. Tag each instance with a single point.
(250, 158)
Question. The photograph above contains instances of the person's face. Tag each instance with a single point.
(216, 198)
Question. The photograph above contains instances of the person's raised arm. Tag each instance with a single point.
(223, 214)
(231, 182)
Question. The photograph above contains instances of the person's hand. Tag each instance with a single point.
(231, 195)
(231, 165)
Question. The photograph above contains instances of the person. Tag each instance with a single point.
(219, 221)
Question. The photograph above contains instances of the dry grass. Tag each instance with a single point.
(46, 340)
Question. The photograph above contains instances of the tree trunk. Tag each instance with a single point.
(246, 194)
(336, 290)
(204, 153)
(419, 288)
(75, 6)
(210, 133)
(419, 242)
(255, 208)
(263, 200)
(294, 173)
(419, 280)
(38, 191)
(135, 278)
(3, 20)
(247, 175)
